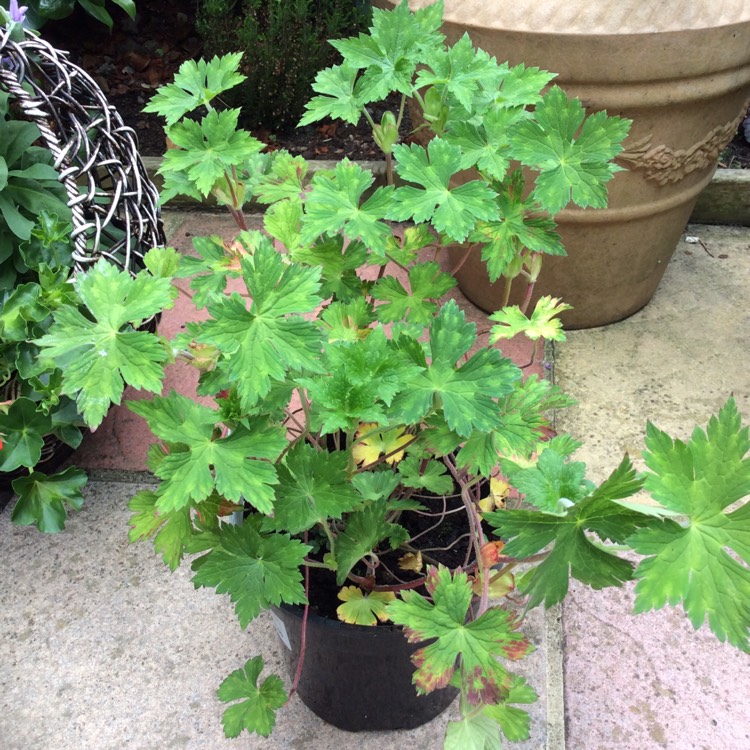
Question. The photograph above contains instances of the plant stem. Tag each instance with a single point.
(477, 536)
(527, 297)
(389, 168)
(303, 642)
(463, 260)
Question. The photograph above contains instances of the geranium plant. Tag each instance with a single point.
(346, 408)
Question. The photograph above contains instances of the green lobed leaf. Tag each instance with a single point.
(361, 378)
(474, 644)
(262, 343)
(171, 531)
(518, 227)
(256, 570)
(313, 486)
(566, 522)
(196, 83)
(452, 211)
(258, 703)
(365, 529)
(339, 262)
(42, 498)
(542, 323)
(427, 283)
(333, 205)
(459, 70)
(573, 164)
(474, 732)
(208, 149)
(99, 357)
(699, 562)
(284, 181)
(236, 466)
(464, 392)
(339, 96)
(432, 477)
(514, 722)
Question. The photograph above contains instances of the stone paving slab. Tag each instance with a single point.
(650, 681)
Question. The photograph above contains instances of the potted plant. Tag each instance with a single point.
(358, 453)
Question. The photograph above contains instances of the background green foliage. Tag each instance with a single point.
(284, 45)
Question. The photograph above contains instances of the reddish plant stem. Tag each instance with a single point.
(527, 297)
(477, 536)
(463, 260)
(303, 641)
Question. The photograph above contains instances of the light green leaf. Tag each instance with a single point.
(162, 262)
(236, 466)
(518, 227)
(574, 165)
(452, 211)
(264, 342)
(476, 732)
(196, 84)
(465, 392)
(285, 180)
(541, 324)
(339, 97)
(171, 531)
(333, 205)
(569, 514)
(208, 149)
(98, 358)
(459, 71)
(699, 562)
(258, 703)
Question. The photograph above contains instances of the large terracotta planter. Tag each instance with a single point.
(680, 69)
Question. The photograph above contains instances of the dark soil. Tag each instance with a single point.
(324, 589)
(141, 55)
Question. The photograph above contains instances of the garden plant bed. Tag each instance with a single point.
(137, 57)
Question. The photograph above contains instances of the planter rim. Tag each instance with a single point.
(592, 18)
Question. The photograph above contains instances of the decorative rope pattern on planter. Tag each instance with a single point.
(114, 204)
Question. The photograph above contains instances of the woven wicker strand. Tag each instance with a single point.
(114, 204)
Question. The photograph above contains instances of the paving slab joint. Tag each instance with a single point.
(553, 641)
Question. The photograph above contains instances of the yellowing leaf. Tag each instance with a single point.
(499, 490)
(500, 586)
(411, 561)
(363, 609)
(375, 443)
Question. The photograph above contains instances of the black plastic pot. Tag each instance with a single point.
(355, 677)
